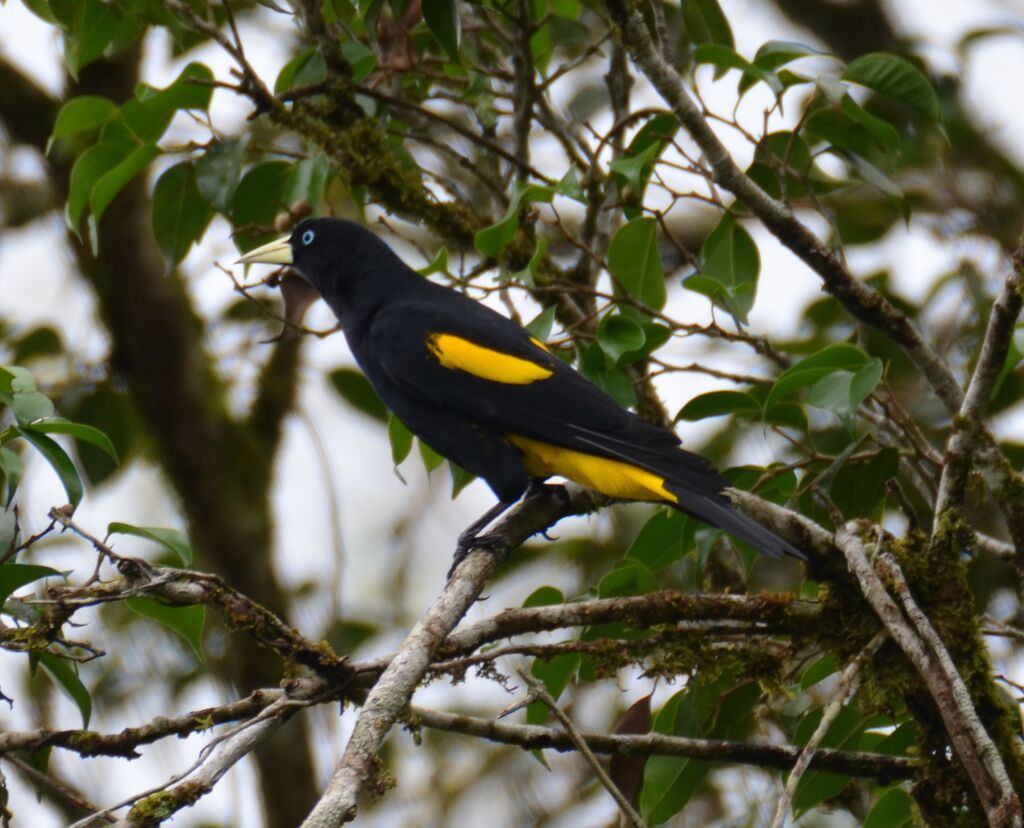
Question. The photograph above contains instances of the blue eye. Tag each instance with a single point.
(307, 237)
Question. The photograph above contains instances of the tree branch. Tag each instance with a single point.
(860, 300)
(883, 768)
(967, 436)
(928, 655)
(390, 695)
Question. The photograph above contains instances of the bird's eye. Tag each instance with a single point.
(307, 237)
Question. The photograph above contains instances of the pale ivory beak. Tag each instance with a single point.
(276, 252)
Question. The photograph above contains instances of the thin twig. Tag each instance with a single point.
(881, 767)
(845, 688)
(540, 692)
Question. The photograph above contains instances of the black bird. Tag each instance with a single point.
(481, 391)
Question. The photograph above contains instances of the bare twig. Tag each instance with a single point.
(540, 692)
(967, 435)
(845, 688)
(882, 767)
(56, 787)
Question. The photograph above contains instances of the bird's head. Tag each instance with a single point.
(345, 263)
(317, 248)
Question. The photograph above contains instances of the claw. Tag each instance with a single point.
(495, 544)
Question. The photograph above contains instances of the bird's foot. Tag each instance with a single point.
(469, 540)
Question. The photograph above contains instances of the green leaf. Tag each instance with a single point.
(438, 265)
(635, 261)
(306, 68)
(730, 267)
(865, 381)
(544, 596)
(86, 112)
(884, 133)
(93, 25)
(13, 470)
(844, 733)
(401, 440)
(29, 406)
(820, 670)
(724, 57)
(431, 459)
(9, 532)
(569, 184)
(115, 179)
(540, 326)
(663, 540)
(356, 390)
(706, 22)
(190, 90)
(898, 78)
(41, 9)
(894, 809)
(85, 433)
(636, 169)
(180, 215)
(42, 341)
(717, 404)
(555, 673)
(21, 379)
(360, 57)
(569, 9)
(607, 376)
(717, 709)
(840, 356)
(618, 335)
(442, 18)
(527, 274)
(146, 122)
(460, 478)
(67, 677)
(872, 175)
(492, 240)
(858, 489)
(186, 622)
(13, 576)
(58, 460)
(89, 167)
(257, 199)
(307, 181)
(629, 577)
(776, 53)
(173, 540)
(111, 412)
(218, 170)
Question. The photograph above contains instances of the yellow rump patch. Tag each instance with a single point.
(612, 477)
(461, 354)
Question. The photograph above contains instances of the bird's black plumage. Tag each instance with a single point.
(479, 390)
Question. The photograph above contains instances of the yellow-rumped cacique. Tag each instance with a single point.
(480, 390)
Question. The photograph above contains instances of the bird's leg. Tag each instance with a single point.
(471, 538)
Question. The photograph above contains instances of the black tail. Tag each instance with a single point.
(691, 478)
(717, 510)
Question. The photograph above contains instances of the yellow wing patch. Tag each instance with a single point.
(461, 354)
(612, 477)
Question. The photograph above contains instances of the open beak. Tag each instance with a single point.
(277, 252)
